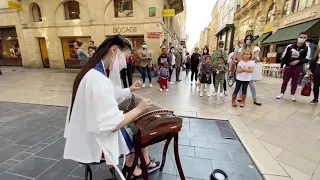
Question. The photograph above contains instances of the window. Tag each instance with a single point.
(287, 8)
(123, 8)
(271, 13)
(72, 10)
(299, 5)
(10, 53)
(258, 18)
(70, 47)
(36, 13)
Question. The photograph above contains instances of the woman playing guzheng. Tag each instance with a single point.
(95, 126)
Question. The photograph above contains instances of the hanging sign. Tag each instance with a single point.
(14, 5)
(168, 12)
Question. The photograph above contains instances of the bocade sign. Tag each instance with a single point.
(125, 30)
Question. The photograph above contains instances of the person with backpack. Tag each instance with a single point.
(293, 57)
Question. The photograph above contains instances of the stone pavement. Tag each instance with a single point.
(282, 137)
(31, 147)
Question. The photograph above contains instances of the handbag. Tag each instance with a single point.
(306, 90)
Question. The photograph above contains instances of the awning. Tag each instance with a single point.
(262, 38)
(290, 33)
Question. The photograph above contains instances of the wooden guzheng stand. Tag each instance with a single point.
(153, 126)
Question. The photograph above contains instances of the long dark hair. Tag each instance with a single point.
(96, 58)
(244, 45)
(208, 52)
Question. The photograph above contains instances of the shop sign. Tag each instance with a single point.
(152, 12)
(14, 5)
(154, 35)
(302, 17)
(168, 12)
(125, 30)
(249, 32)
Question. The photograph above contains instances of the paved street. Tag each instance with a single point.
(282, 137)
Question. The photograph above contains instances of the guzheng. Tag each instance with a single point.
(154, 122)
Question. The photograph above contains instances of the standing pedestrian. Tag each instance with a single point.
(145, 64)
(188, 62)
(293, 57)
(82, 55)
(220, 52)
(314, 72)
(220, 70)
(195, 60)
(136, 61)
(126, 73)
(173, 63)
(179, 59)
(255, 51)
(163, 76)
(205, 53)
(205, 75)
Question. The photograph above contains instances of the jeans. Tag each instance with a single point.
(126, 73)
(241, 85)
(253, 90)
(293, 73)
(170, 73)
(146, 70)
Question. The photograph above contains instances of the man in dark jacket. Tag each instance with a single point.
(294, 56)
(195, 60)
(179, 59)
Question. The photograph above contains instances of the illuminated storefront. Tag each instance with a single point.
(10, 53)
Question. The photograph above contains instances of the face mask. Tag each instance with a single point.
(172, 50)
(144, 46)
(248, 42)
(300, 40)
(221, 49)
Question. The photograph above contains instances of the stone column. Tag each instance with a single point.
(54, 46)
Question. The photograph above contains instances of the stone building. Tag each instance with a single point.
(276, 23)
(214, 28)
(44, 33)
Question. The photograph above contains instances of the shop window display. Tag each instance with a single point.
(123, 8)
(70, 47)
(10, 54)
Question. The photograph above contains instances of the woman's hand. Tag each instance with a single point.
(145, 104)
(310, 73)
(135, 86)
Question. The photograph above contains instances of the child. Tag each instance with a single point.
(205, 75)
(220, 70)
(164, 76)
(244, 70)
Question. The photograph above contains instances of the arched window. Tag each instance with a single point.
(123, 8)
(287, 7)
(36, 13)
(258, 18)
(72, 10)
(271, 13)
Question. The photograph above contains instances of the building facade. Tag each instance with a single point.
(275, 24)
(226, 28)
(44, 33)
(204, 38)
(214, 25)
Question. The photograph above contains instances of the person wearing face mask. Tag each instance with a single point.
(145, 64)
(172, 57)
(95, 127)
(219, 53)
(255, 50)
(293, 57)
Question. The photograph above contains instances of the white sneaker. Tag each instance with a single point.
(225, 93)
(208, 94)
(143, 85)
(214, 94)
(172, 83)
(167, 90)
(201, 94)
(280, 96)
(151, 85)
(293, 98)
(221, 95)
(160, 90)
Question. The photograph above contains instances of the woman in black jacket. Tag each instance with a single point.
(314, 72)
(195, 60)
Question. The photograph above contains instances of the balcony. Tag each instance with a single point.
(177, 5)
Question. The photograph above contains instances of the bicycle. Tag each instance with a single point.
(231, 76)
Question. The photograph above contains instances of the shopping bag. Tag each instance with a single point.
(257, 73)
(306, 90)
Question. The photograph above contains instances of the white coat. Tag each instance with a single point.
(94, 116)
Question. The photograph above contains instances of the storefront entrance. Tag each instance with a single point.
(10, 54)
(44, 52)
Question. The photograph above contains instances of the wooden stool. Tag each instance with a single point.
(138, 146)
(88, 171)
